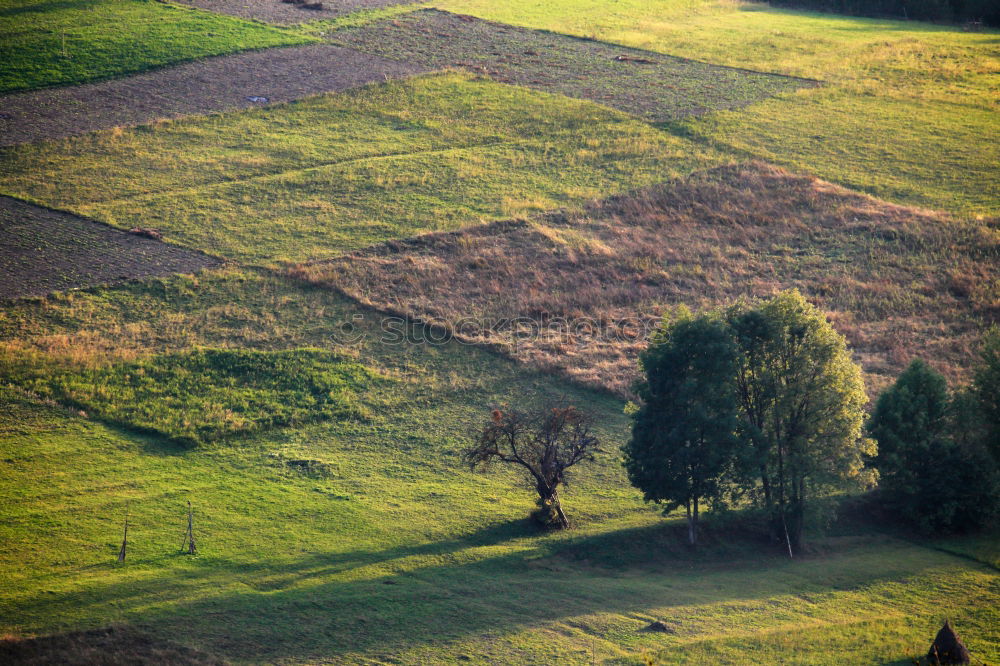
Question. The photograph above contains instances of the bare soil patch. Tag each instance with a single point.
(289, 13)
(654, 86)
(223, 83)
(109, 647)
(578, 293)
(43, 250)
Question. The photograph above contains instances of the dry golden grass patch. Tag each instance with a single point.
(572, 292)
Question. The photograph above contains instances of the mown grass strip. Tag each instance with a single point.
(643, 83)
(326, 27)
(907, 115)
(57, 43)
(340, 172)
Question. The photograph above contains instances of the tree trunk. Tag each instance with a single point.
(797, 516)
(765, 482)
(775, 507)
(551, 513)
(788, 539)
(691, 519)
(694, 531)
(563, 520)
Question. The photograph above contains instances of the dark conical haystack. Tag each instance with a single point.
(660, 627)
(947, 648)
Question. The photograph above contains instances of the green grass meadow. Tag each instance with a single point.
(340, 172)
(909, 112)
(205, 395)
(384, 547)
(320, 445)
(74, 41)
(364, 539)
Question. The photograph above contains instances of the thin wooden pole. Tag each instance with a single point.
(121, 553)
(788, 540)
(189, 537)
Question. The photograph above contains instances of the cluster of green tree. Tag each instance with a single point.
(760, 401)
(939, 453)
(763, 403)
(984, 11)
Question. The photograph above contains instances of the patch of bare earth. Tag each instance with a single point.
(289, 13)
(43, 251)
(654, 86)
(108, 647)
(577, 293)
(222, 83)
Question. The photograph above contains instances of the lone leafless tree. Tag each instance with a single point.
(545, 441)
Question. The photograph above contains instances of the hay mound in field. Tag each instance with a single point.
(948, 648)
(659, 627)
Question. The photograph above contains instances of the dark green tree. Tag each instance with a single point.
(909, 418)
(802, 401)
(683, 443)
(986, 389)
(934, 470)
(764, 394)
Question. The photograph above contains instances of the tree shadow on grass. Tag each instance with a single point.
(652, 545)
(870, 24)
(367, 605)
(39, 8)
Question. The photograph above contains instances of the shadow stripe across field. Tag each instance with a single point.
(653, 86)
(204, 86)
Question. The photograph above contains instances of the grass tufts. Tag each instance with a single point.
(592, 284)
(205, 395)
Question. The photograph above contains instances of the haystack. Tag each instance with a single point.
(660, 627)
(947, 648)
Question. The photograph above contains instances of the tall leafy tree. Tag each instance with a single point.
(910, 419)
(934, 470)
(802, 400)
(986, 389)
(766, 394)
(683, 443)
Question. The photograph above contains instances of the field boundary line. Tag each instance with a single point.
(28, 201)
(594, 40)
(264, 177)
